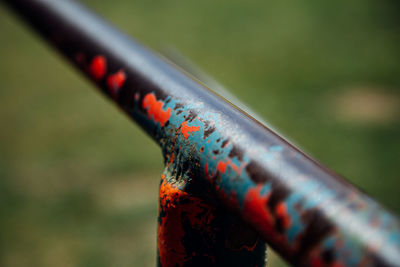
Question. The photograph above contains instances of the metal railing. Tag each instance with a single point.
(230, 183)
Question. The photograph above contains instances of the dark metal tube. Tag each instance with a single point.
(306, 212)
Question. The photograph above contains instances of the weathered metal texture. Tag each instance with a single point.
(194, 229)
(306, 212)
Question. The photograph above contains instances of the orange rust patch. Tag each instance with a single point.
(154, 109)
(185, 129)
(98, 67)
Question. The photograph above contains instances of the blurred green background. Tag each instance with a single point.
(79, 181)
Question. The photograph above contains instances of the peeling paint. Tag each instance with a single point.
(115, 82)
(193, 230)
(185, 129)
(154, 109)
(98, 67)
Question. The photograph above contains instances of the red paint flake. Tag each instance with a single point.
(185, 129)
(116, 81)
(154, 109)
(256, 210)
(98, 67)
(202, 149)
(281, 212)
(222, 166)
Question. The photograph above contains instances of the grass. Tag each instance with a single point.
(78, 181)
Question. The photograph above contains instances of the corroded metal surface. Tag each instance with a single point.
(309, 214)
(194, 229)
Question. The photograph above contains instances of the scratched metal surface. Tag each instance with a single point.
(306, 212)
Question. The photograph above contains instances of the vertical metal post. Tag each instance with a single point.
(194, 229)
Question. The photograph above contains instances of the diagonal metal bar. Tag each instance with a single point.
(309, 214)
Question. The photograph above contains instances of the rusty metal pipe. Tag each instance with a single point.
(309, 214)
